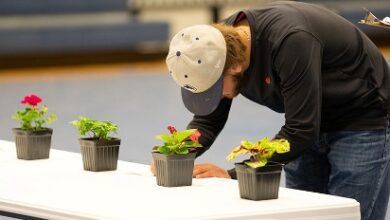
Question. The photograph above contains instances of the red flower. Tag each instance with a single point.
(32, 100)
(172, 129)
(195, 136)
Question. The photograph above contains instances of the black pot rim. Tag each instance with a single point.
(101, 142)
(270, 163)
(270, 166)
(174, 156)
(21, 131)
(96, 139)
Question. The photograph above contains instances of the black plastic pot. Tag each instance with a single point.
(99, 155)
(174, 170)
(259, 183)
(32, 145)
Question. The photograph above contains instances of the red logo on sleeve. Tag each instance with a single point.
(267, 80)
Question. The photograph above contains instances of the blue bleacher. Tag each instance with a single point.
(84, 38)
(24, 7)
(64, 35)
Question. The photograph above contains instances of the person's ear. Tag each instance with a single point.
(235, 69)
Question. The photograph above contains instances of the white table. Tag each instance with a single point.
(59, 188)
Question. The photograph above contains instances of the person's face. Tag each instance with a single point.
(232, 81)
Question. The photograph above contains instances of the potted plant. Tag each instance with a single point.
(258, 178)
(32, 139)
(99, 151)
(174, 159)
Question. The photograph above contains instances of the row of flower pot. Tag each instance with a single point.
(97, 154)
(258, 179)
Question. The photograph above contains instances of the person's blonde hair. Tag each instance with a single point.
(235, 49)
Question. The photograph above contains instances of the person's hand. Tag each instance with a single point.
(201, 171)
(209, 170)
(153, 168)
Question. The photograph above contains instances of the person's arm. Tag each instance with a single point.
(211, 125)
(298, 64)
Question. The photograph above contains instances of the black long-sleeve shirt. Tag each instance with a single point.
(314, 66)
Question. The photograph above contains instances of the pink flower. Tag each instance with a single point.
(172, 129)
(32, 100)
(195, 136)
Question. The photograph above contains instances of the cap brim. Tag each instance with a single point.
(205, 102)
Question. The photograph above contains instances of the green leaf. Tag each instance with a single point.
(51, 119)
(33, 118)
(247, 144)
(255, 164)
(164, 150)
(237, 151)
(282, 146)
(260, 151)
(178, 142)
(190, 144)
(97, 129)
(183, 135)
(182, 151)
(166, 138)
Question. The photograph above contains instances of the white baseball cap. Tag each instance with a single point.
(196, 60)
